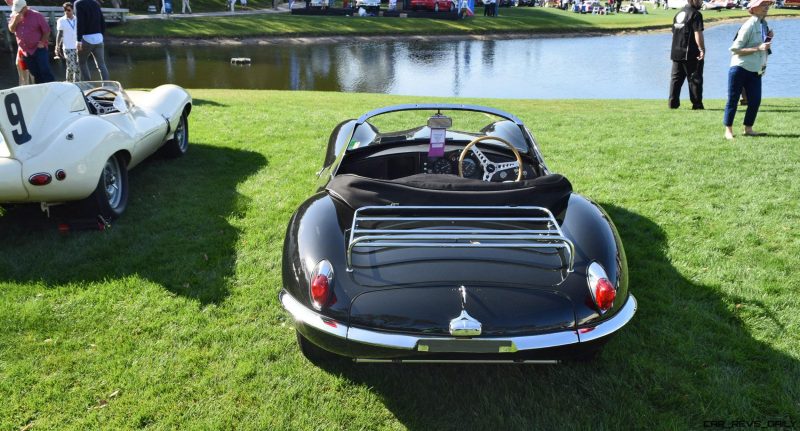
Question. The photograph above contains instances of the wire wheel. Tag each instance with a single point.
(181, 138)
(112, 182)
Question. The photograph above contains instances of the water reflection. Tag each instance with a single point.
(626, 66)
(367, 68)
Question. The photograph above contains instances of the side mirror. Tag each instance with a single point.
(120, 105)
(440, 121)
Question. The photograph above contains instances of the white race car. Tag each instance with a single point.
(65, 142)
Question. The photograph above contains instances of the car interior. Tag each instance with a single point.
(399, 154)
(473, 168)
(104, 97)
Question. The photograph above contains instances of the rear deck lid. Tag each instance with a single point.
(454, 245)
(502, 311)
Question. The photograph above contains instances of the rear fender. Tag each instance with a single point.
(169, 101)
(315, 233)
(80, 150)
(596, 240)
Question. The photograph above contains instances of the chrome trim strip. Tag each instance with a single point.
(305, 315)
(409, 342)
(455, 361)
(383, 339)
(544, 341)
(613, 324)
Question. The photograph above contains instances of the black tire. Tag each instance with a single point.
(315, 354)
(179, 144)
(110, 198)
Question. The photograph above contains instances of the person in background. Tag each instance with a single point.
(91, 27)
(688, 55)
(33, 35)
(186, 6)
(67, 42)
(748, 63)
(24, 75)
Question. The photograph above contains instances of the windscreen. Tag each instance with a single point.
(412, 126)
(94, 88)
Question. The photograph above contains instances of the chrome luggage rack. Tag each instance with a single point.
(519, 227)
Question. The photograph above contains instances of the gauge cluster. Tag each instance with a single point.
(472, 167)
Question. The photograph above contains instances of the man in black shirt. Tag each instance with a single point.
(91, 27)
(688, 53)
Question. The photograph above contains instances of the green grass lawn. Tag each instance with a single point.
(170, 320)
(511, 20)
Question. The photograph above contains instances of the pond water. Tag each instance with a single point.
(623, 66)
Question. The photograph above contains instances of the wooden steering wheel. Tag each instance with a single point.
(99, 89)
(489, 167)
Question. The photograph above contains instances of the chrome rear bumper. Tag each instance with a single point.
(411, 343)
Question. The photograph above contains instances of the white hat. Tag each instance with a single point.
(756, 3)
(18, 5)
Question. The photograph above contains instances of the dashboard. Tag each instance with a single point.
(472, 166)
(392, 163)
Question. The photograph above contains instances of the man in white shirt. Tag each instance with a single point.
(67, 42)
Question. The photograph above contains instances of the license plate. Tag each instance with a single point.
(466, 346)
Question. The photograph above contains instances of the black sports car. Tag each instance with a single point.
(437, 234)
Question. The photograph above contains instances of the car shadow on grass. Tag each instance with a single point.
(685, 359)
(177, 230)
(204, 102)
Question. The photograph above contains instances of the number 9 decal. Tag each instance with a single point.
(14, 111)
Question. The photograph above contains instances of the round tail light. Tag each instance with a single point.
(604, 294)
(602, 291)
(321, 287)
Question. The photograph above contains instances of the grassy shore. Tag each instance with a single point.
(511, 20)
(170, 320)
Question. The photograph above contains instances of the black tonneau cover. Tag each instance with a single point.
(439, 189)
